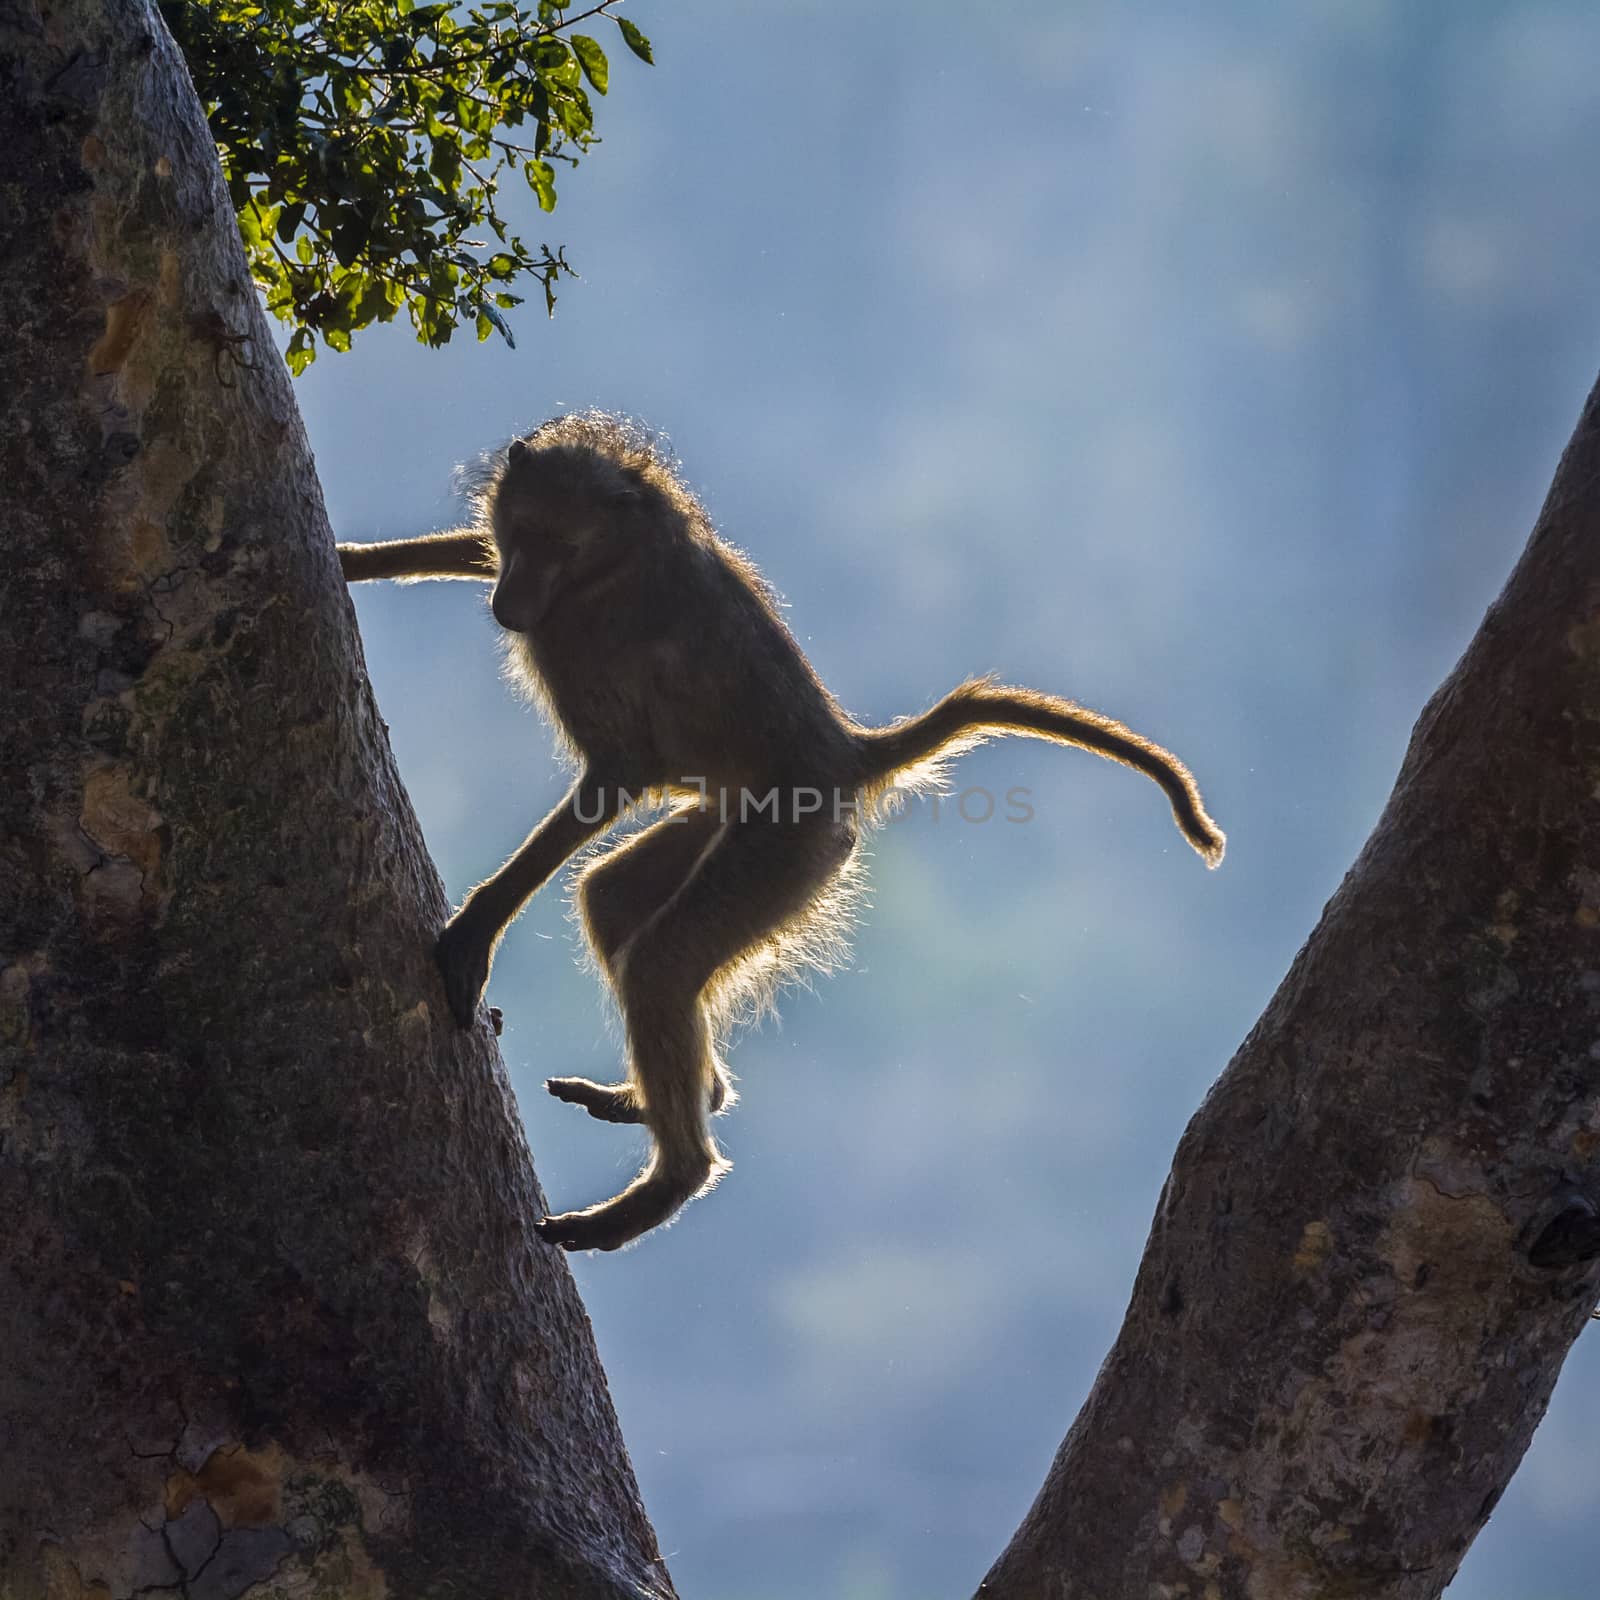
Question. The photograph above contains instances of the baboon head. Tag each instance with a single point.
(560, 515)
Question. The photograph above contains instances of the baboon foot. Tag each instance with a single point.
(608, 1102)
(645, 1204)
(619, 1102)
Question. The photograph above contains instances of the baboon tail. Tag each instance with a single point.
(981, 709)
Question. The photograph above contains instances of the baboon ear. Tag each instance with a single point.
(517, 451)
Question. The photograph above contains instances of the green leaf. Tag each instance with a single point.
(301, 352)
(592, 58)
(372, 304)
(542, 180)
(634, 40)
(445, 162)
(547, 53)
(562, 74)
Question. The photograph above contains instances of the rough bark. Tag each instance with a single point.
(1378, 1239)
(270, 1310)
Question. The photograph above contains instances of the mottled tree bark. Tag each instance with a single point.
(1378, 1239)
(270, 1309)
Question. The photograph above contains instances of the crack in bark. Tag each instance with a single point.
(1447, 1194)
(152, 1455)
(182, 1585)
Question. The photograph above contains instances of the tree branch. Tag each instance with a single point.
(1379, 1236)
(269, 1298)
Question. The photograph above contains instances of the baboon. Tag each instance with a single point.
(658, 654)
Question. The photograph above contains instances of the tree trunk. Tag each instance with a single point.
(269, 1302)
(1379, 1236)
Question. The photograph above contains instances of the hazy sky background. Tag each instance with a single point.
(1207, 365)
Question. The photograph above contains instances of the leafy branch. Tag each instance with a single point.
(364, 144)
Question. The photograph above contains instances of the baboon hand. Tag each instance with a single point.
(463, 958)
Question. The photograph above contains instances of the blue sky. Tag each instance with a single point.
(1206, 366)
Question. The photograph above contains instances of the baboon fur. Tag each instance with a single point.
(657, 652)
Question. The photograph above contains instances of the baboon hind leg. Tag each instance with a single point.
(755, 879)
(617, 895)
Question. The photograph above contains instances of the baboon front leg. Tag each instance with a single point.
(460, 553)
(465, 951)
(753, 880)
